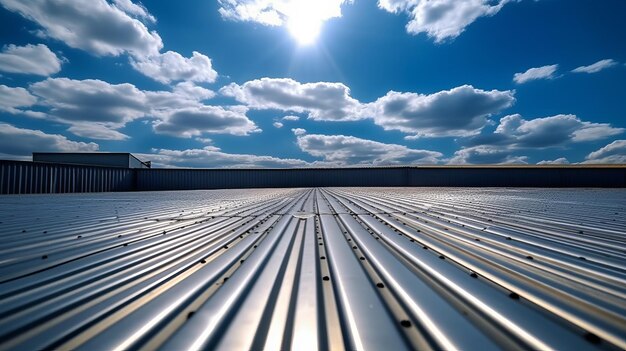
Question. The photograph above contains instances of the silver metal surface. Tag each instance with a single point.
(316, 268)
(18, 177)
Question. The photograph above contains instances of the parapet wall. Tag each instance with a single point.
(18, 177)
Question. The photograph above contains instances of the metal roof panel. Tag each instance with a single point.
(323, 268)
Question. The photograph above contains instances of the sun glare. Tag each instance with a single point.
(304, 30)
(305, 21)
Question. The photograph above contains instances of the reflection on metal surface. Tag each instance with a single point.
(326, 268)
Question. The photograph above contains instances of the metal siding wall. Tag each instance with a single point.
(18, 177)
(180, 179)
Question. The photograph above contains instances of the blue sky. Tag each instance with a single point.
(296, 83)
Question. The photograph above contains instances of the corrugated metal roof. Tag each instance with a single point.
(339, 268)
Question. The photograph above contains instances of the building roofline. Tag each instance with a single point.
(582, 166)
(145, 163)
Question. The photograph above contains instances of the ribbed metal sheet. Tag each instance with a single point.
(17, 177)
(325, 268)
(463, 176)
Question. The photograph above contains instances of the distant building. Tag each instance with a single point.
(104, 159)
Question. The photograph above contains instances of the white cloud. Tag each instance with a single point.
(212, 157)
(596, 67)
(204, 140)
(29, 59)
(195, 121)
(277, 125)
(183, 95)
(442, 19)
(544, 72)
(22, 142)
(95, 26)
(11, 99)
(486, 155)
(349, 150)
(136, 10)
(108, 107)
(291, 118)
(298, 131)
(558, 161)
(105, 29)
(172, 66)
(91, 101)
(551, 131)
(515, 133)
(461, 111)
(96, 130)
(279, 12)
(193, 91)
(614, 152)
(303, 18)
(322, 101)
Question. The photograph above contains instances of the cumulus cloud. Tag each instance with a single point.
(204, 140)
(551, 131)
(298, 131)
(172, 66)
(193, 91)
(22, 142)
(279, 12)
(291, 118)
(102, 28)
(322, 101)
(349, 150)
(96, 130)
(514, 133)
(277, 125)
(108, 107)
(136, 10)
(195, 121)
(212, 157)
(486, 155)
(182, 95)
(13, 98)
(596, 67)
(96, 26)
(614, 152)
(544, 72)
(29, 59)
(91, 100)
(461, 111)
(558, 161)
(442, 19)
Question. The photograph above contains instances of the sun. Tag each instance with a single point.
(304, 30)
(305, 21)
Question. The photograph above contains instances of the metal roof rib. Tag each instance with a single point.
(315, 268)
